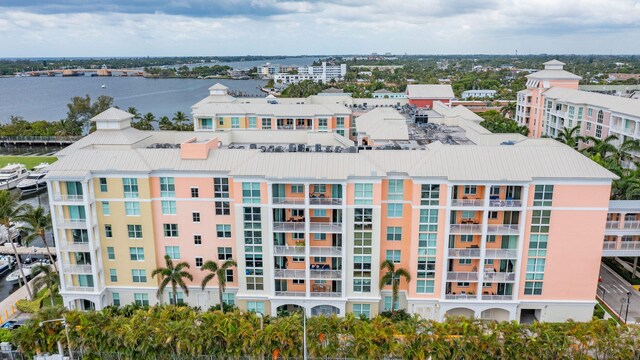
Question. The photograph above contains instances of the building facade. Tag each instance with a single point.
(509, 232)
(478, 94)
(424, 95)
(322, 74)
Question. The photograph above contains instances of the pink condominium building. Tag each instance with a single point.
(498, 231)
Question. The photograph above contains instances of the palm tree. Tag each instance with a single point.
(179, 118)
(508, 110)
(165, 123)
(220, 271)
(624, 153)
(49, 279)
(173, 275)
(133, 111)
(146, 122)
(569, 136)
(38, 222)
(11, 209)
(603, 147)
(393, 276)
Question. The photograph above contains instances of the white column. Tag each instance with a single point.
(56, 232)
(269, 238)
(307, 237)
(483, 240)
(523, 225)
(445, 257)
(343, 254)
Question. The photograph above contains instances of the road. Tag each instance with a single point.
(616, 289)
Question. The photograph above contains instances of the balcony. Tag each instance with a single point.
(613, 224)
(77, 269)
(464, 253)
(72, 223)
(288, 200)
(326, 274)
(325, 201)
(76, 247)
(465, 229)
(289, 274)
(460, 297)
(504, 229)
(462, 276)
(467, 202)
(505, 203)
(630, 245)
(286, 250)
(291, 293)
(296, 227)
(80, 288)
(490, 276)
(631, 224)
(330, 251)
(325, 227)
(331, 294)
(501, 253)
(68, 198)
(497, 297)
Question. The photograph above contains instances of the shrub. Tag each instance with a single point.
(5, 335)
(598, 312)
(27, 306)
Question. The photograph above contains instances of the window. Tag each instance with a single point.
(225, 253)
(106, 210)
(297, 212)
(228, 298)
(195, 192)
(362, 310)
(197, 239)
(488, 261)
(394, 210)
(393, 255)
(223, 231)
(255, 283)
(396, 189)
(113, 275)
(362, 285)
(580, 110)
(172, 251)
(168, 207)
(107, 231)
(229, 275)
(196, 217)
(221, 188)
(298, 281)
(141, 299)
(199, 261)
(598, 133)
(266, 123)
(388, 300)
(430, 194)
(321, 188)
(540, 221)
(466, 238)
(136, 253)
(297, 189)
(297, 236)
(463, 284)
(588, 126)
(535, 269)
(85, 280)
(425, 286)
(543, 195)
(320, 259)
(464, 261)
(322, 124)
(116, 299)
(103, 185)
(235, 122)
(255, 306)
(538, 245)
(298, 259)
(251, 192)
(134, 231)
(170, 230)
(221, 121)
(470, 190)
(139, 275)
(533, 287)
(363, 194)
(252, 122)
(222, 208)
(491, 238)
(167, 187)
(111, 254)
(316, 212)
(394, 233)
(77, 213)
(318, 237)
(493, 214)
(130, 186)
(206, 124)
(132, 208)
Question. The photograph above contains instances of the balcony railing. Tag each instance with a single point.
(460, 297)
(501, 254)
(326, 274)
(505, 203)
(326, 251)
(505, 229)
(490, 276)
(464, 253)
(291, 293)
(288, 200)
(288, 250)
(288, 226)
(497, 297)
(66, 197)
(462, 276)
(327, 294)
(77, 269)
(613, 224)
(72, 223)
(328, 227)
(289, 274)
(465, 229)
(630, 245)
(80, 288)
(467, 202)
(609, 245)
(631, 224)
(325, 201)
(70, 246)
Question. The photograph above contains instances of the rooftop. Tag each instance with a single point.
(430, 91)
(616, 104)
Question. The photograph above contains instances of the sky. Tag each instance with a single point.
(79, 28)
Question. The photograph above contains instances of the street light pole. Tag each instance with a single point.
(304, 334)
(628, 301)
(63, 320)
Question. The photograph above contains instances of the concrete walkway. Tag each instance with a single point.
(8, 305)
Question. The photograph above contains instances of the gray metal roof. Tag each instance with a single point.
(616, 104)
(430, 91)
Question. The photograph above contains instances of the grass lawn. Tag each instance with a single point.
(28, 161)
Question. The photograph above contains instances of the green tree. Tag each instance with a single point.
(38, 222)
(180, 121)
(146, 122)
(165, 124)
(508, 110)
(48, 279)
(219, 271)
(174, 275)
(602, 147)
(496, 123)
(571, 136)
(12, 210)
(392, 277)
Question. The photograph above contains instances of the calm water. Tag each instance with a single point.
(45, 98)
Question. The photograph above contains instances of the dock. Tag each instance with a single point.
(27, 250)
(38, 140)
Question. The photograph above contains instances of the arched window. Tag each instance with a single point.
(600, 117)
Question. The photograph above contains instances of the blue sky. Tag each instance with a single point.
(293, 27)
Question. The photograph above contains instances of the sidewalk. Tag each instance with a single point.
(8, 305)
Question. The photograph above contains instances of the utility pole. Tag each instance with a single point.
(628, 301)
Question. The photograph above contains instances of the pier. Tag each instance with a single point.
(27, 250)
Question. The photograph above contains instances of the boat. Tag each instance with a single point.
(14, 230)
(27, 269)
(103, 86)
(6, 263)
(11, 175)
(35, 180)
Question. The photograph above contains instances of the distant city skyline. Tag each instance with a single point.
(63, 28)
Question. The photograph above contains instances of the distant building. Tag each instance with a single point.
(424, 95)
(333, 92)
(468, 94)
(623, 77)
(321, 74)
(268, 70)
(386, 94)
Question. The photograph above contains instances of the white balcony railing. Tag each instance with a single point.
(72, 223)
(289, 200)
(490, 276)
(505, 229)
(326, 274)
(325, 251)
(327, 294)
(288, 250)
(505, 203)
(501, 254)
(497, 297)
(80, 288)
(291, 293)
(67, 197)
(328, 227)
(77, 269)
(462, 276)
(289, 274)
(609, 245)
(630, 245)
(460, 297)
(631, 224)
(76, 247)
(467, 202)
(325, 201)
(613, 224)
(465, 229)
(464, 253)
(288, 226)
